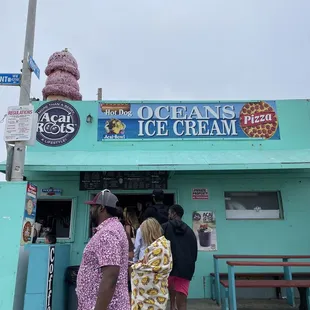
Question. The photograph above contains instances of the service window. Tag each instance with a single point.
(253, 205)
(54, 216)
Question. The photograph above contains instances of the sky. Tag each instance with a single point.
(166, 49)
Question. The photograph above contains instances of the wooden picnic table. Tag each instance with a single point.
(289, 283)
(216, 258)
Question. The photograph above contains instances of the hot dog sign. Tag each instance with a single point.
(227, 120)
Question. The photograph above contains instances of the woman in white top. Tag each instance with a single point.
(140, 247)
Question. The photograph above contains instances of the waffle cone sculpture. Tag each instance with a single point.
(62, 77)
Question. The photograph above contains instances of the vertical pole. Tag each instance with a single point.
(289, 290)
(217, 280)
(308, 297)
(99, 95)
(225, 300)
(24, 97)
(232, 288)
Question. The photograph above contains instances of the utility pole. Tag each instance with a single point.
(99, 94)
(24, 97)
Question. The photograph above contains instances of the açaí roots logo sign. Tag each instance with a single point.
(58, 123)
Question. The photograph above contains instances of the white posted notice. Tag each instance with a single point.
(18, 124)
(200, 194)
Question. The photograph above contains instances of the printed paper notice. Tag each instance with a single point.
(18, 126)
(200, 194)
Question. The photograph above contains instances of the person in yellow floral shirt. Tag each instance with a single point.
(149, 277)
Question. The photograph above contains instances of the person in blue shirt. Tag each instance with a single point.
(140, 247)
(156, 210)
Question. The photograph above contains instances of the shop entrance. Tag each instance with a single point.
(136, 202)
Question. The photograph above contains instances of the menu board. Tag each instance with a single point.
(112, 180)
(127, 180)
(91, 181)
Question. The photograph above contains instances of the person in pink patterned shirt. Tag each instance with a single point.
(103, 274)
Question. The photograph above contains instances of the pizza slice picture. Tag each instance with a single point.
(258, 120)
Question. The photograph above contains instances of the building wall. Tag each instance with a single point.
(248, 236)
(287, 236)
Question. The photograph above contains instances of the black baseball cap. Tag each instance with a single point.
(157, 192)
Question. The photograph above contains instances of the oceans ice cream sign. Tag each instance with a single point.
(256, 120)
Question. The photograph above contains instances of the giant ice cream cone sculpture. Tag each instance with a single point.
(62, 76)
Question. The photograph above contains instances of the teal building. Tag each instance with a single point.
(240, 169)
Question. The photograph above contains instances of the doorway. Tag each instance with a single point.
(132, 200)
(137, 202)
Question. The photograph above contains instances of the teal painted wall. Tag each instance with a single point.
(11, 216)
(285, 236)
(294, 122)
(248, 236)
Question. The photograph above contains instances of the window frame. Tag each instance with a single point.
(237, 217)
(73, 200)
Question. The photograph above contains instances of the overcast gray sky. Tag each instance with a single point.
(166, 49)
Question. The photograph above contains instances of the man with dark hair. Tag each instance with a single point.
(158, 210)
(103, 274)
(50, 238)
(184, 253)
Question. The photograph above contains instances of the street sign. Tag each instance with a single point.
(34, 67)
(18, 126)
(10, 79)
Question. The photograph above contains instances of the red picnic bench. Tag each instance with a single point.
(216, 276)
(229, 287)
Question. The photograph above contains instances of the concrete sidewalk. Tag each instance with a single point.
(207, 304)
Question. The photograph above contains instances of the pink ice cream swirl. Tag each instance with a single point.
(63, 74)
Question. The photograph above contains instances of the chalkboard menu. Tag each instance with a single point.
(123, 180)
(90, 180)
